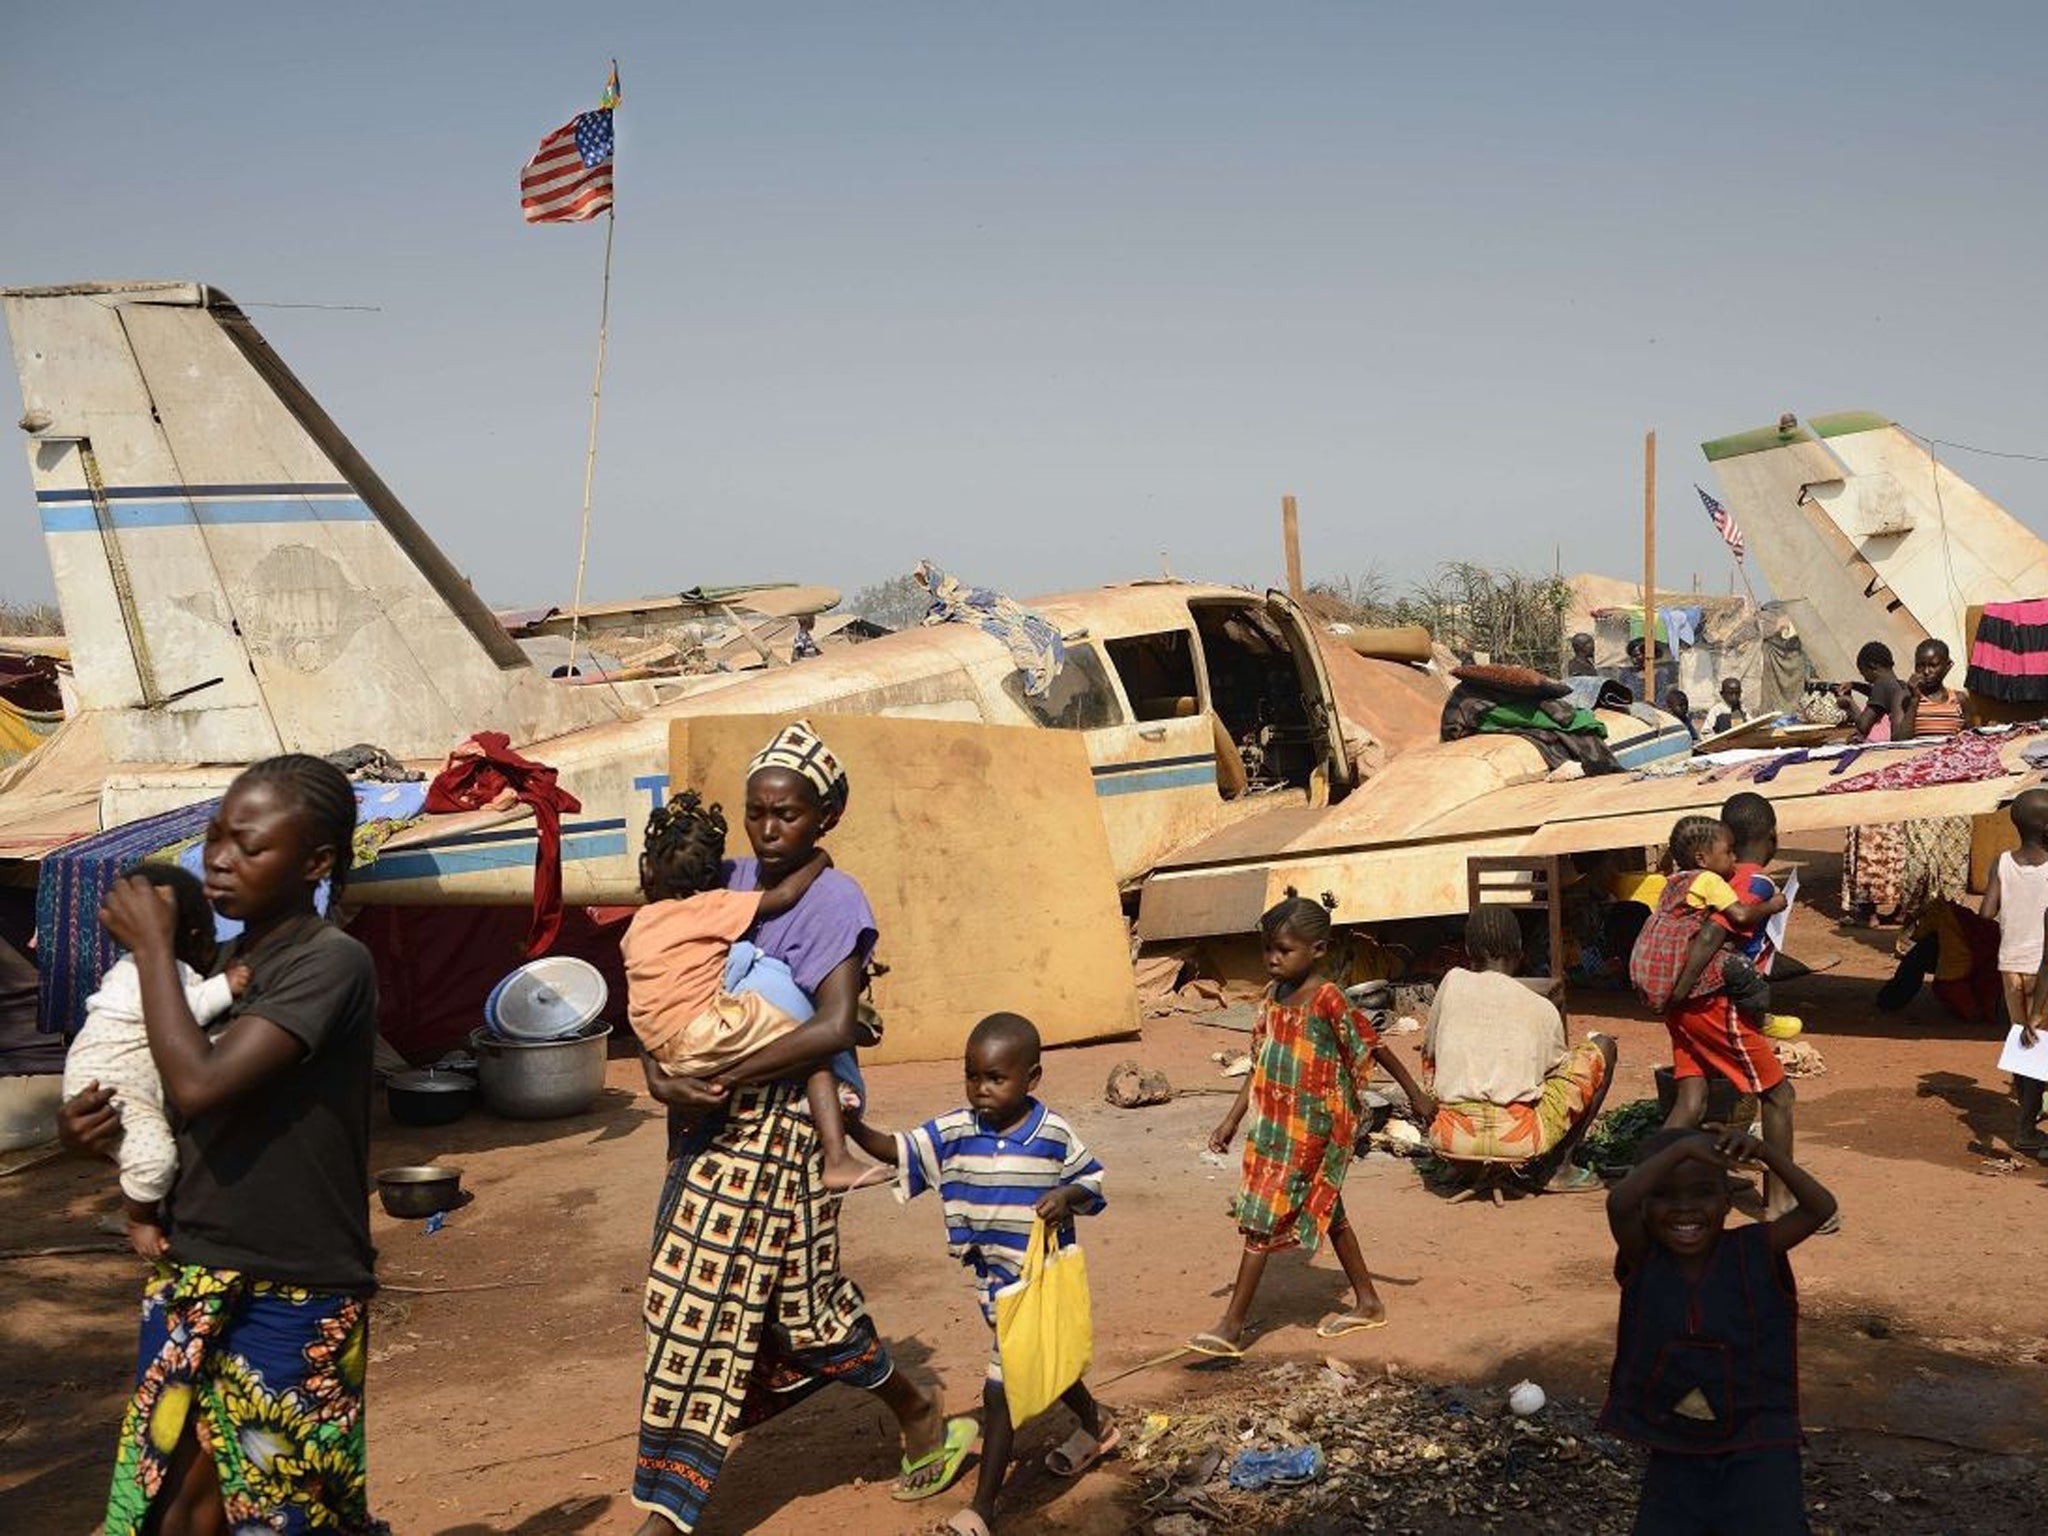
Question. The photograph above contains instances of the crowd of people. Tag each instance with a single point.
(232, 1085)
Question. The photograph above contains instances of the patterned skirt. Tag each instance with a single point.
(1473, 1131)
(270, 1377)
(746, 1310)
(1874, 870)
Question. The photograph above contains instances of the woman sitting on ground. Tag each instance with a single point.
(1507, 1088)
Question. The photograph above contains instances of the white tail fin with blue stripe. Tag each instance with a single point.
(234, 578)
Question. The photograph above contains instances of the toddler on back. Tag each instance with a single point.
(112, 1050)
(699, 996)
(2016, 897)
(1713, 999)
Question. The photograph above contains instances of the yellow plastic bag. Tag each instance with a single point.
(1044, 1329)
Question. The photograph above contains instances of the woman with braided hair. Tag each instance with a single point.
(248, 1406)
(746, 1309)
(699, 996)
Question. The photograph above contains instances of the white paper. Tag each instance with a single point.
(2025, 1060)
(1774, 927)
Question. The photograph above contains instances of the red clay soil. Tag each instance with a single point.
(511, 1408)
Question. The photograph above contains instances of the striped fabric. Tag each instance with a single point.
(990, 1182)
(569, 178)
(2009, 653)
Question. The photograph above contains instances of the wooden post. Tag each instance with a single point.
(1290, 533)
(1650, 569)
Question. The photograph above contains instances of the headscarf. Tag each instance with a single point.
(798, 749)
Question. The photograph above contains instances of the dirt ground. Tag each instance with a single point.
(503, 1383)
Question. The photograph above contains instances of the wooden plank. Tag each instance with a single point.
(1290, 533)
(983, 854)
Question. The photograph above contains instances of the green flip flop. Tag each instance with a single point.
(947, 1454)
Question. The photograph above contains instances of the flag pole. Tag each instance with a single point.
(604, 311)
(1650, 569)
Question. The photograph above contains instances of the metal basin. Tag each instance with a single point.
(544, 1080)
(415, 1192)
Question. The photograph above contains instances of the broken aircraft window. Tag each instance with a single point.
(1080, 699)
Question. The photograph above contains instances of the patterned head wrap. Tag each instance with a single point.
(800, 750)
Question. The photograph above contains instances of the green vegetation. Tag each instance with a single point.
(1468, 608)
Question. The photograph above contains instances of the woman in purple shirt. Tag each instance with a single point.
(746, 1310)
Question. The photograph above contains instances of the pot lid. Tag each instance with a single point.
(546, 999)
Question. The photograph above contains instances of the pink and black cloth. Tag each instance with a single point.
(2009, 658)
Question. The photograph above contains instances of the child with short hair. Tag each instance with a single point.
(1000, 1164)
(112, 1049)
(2016, 897)
(699, 997)
(1713, 1000)
(1312, 1055)
(1706, 1370)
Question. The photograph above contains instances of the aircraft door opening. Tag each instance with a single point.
(1267, 720)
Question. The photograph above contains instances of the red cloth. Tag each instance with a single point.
(1961, 759)
(436, 965)
(485, 772)
(1710, 1039)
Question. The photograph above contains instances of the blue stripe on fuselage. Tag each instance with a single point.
(77, 516)
(477, 859)
(1138, 781)
(198, 492)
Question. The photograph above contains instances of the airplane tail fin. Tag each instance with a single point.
(234, 577)
(1865, 535)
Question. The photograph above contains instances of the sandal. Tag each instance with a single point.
(967, 1523)
(1338, 1324)
(947, 1455)
(1571, 1179)
(1214, 1347)
(1080, 1451)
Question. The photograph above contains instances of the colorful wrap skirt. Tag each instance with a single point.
(270, 1377)
(1475, 1131)
(746, 1311)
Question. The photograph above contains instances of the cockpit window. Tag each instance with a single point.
(1080, 698)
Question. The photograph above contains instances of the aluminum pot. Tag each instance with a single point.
(416, 1192)
(544, 1080)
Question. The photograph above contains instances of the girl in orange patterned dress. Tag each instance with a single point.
(1312, 1053)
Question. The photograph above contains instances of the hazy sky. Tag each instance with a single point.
(1041, 291)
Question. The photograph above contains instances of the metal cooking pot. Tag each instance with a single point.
(429, 1097)
(541, 1080)
(415, 1192)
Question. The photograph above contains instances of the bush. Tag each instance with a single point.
(30, 618)
(1468, 608)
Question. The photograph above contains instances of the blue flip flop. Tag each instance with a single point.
(948, 1453)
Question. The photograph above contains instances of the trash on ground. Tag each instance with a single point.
(1131, 1086)
(1289, 1468)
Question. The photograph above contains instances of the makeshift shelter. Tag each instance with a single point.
(1715, 638)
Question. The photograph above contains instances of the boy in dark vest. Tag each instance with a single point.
(1706, 1368)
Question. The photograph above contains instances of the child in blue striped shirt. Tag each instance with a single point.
(999, 1164)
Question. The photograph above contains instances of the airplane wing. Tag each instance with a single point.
(1399, 848)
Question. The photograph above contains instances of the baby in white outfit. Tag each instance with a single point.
(112, 1049)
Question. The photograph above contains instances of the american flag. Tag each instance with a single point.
(569, 178)
(1724, 523)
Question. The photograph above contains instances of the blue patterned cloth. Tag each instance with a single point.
(72, 950)
(1033, 641)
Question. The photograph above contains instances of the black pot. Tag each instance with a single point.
(429, 1098)
(412, 1193)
